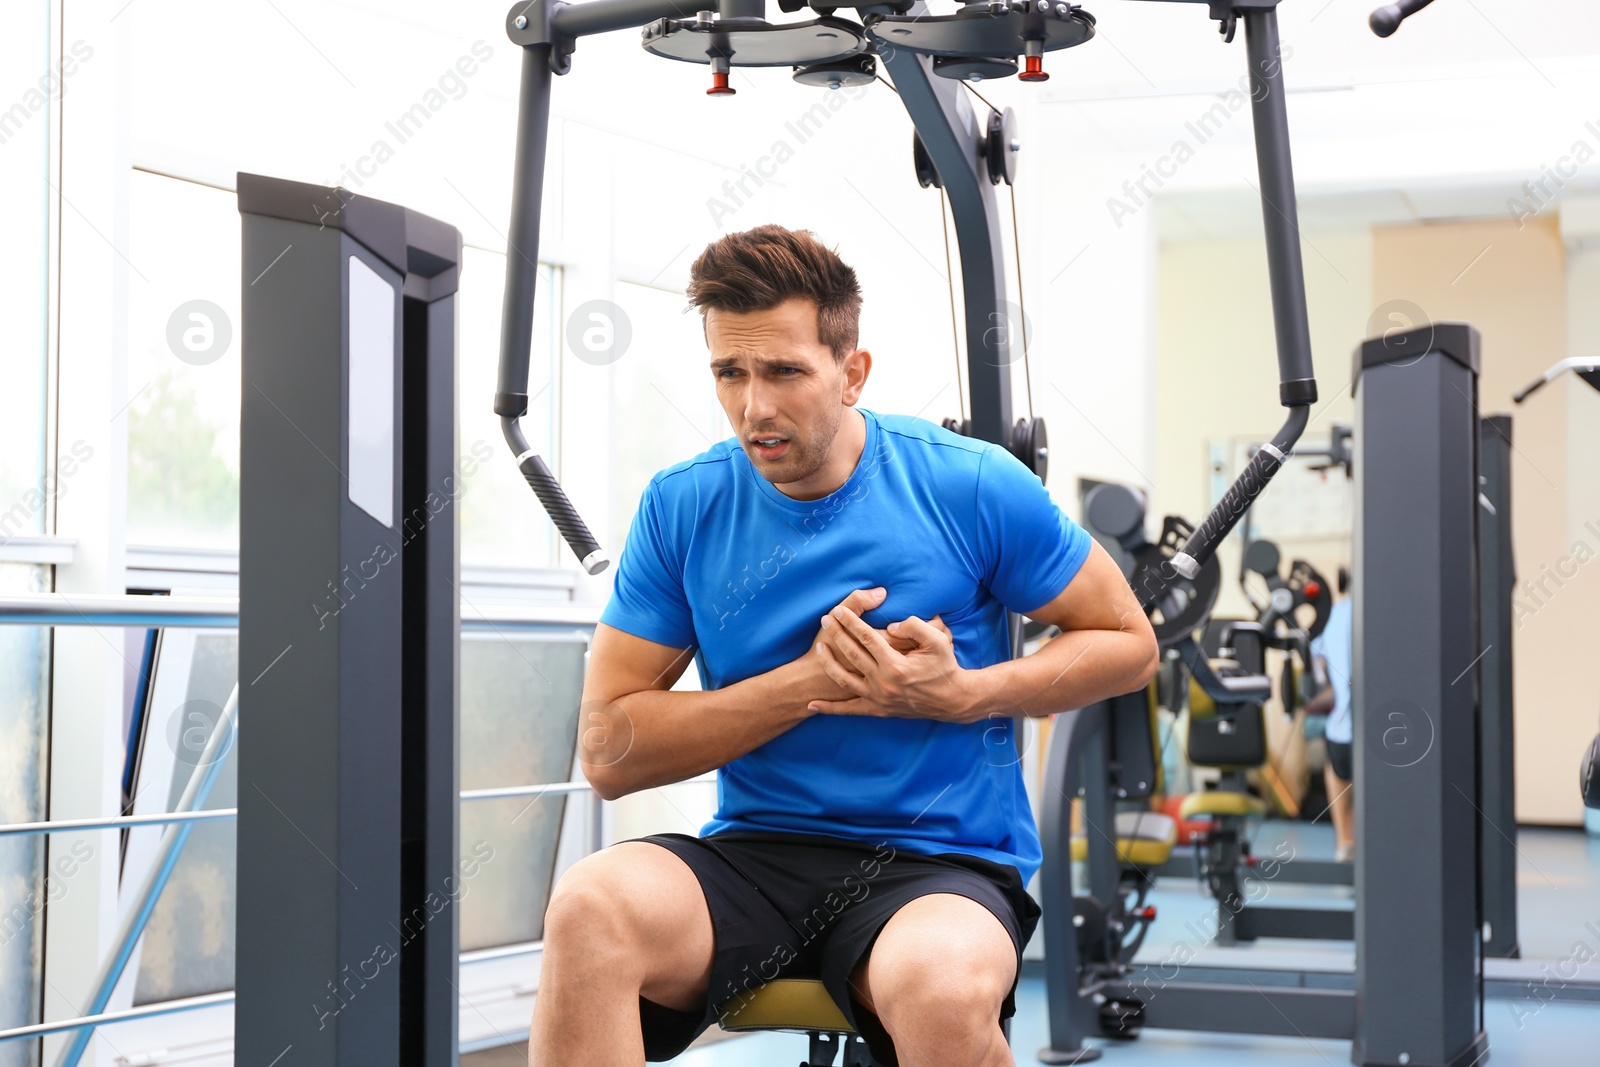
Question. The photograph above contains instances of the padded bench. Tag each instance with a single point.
(1144, 839)
(1220, 803)
(803, 1005)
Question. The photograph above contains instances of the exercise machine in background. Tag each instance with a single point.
(1588, 370)
(1425, 808)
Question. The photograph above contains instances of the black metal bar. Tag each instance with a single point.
(430, 716)
(1385, 20)
(1077, 739)
(1279, 210)
(1315, 924)
(522, 252)
(1497, 580)
(602, 16)
(522, 275)
(1203, 543)
(1297, 384)
(1283, 1011)
(951, 134)
(1182, 865)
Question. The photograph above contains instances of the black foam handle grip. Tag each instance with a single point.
(563, 514)
(1226, 515)
(1529, 391)
(1388, 18)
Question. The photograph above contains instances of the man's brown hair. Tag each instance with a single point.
(761, 268)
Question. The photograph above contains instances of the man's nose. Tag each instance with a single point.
(759, 403)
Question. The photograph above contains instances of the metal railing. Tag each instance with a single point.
(62, 609)
(58, 609)
(117, 822)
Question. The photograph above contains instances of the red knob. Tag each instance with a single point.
(1034, 71)
(1249, 861)
(1147, 913)
(1313, 590)
(719, 85)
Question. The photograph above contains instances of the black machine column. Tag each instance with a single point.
(348, 632)
(1497, 579)
(1414, 696)
(949, 131)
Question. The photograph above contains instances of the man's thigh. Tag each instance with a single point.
(644, 894)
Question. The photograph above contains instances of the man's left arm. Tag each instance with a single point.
(1106, 648)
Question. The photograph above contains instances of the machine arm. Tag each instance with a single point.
(546, 30)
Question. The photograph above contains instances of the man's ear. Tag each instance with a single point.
(857, 366)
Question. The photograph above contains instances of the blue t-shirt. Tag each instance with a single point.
(1335, 644)
(719, 559)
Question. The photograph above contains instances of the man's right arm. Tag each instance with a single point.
(634, 734)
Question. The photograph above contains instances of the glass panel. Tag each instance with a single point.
(24, 890)
(188, 945)
(501, 520)
(519, 726)
(30, 83)
(183, 364)
(664, 405)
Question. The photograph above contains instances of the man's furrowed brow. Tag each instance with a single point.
(761, 362)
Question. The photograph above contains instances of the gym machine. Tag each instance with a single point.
(349, 628)
(929, 57)
(1417, 756)
(1295, 610)
(1589, 371)
(965, 156)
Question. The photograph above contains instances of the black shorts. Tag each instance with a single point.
(807, 906)
(1341, 756)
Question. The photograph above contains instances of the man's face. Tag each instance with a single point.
(784, 394)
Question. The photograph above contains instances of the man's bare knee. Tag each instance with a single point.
(940, 957)
(633, 912)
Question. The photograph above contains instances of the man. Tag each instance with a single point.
(1335, 646)
(872, 827)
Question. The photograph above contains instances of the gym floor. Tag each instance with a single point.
(1555, 868)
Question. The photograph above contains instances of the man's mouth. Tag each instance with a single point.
(770, 447)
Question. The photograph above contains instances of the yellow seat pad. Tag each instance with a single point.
(1144, 839)
(1221, 802)
(785, 1004)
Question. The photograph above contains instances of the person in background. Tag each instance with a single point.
(1335, 648)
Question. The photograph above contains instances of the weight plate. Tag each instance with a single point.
(1030, 445)
(1116, 511)
(974, 31)
(1262, 557)
(973, 68)
(754, 42)
(841, 74)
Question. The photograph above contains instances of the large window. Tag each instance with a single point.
(183, 364)
(24, 891)
(665, 402)
(519, 726)
(188, 945)
(183, 381)
(501, 520)
(30, 87)
(519, 721)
